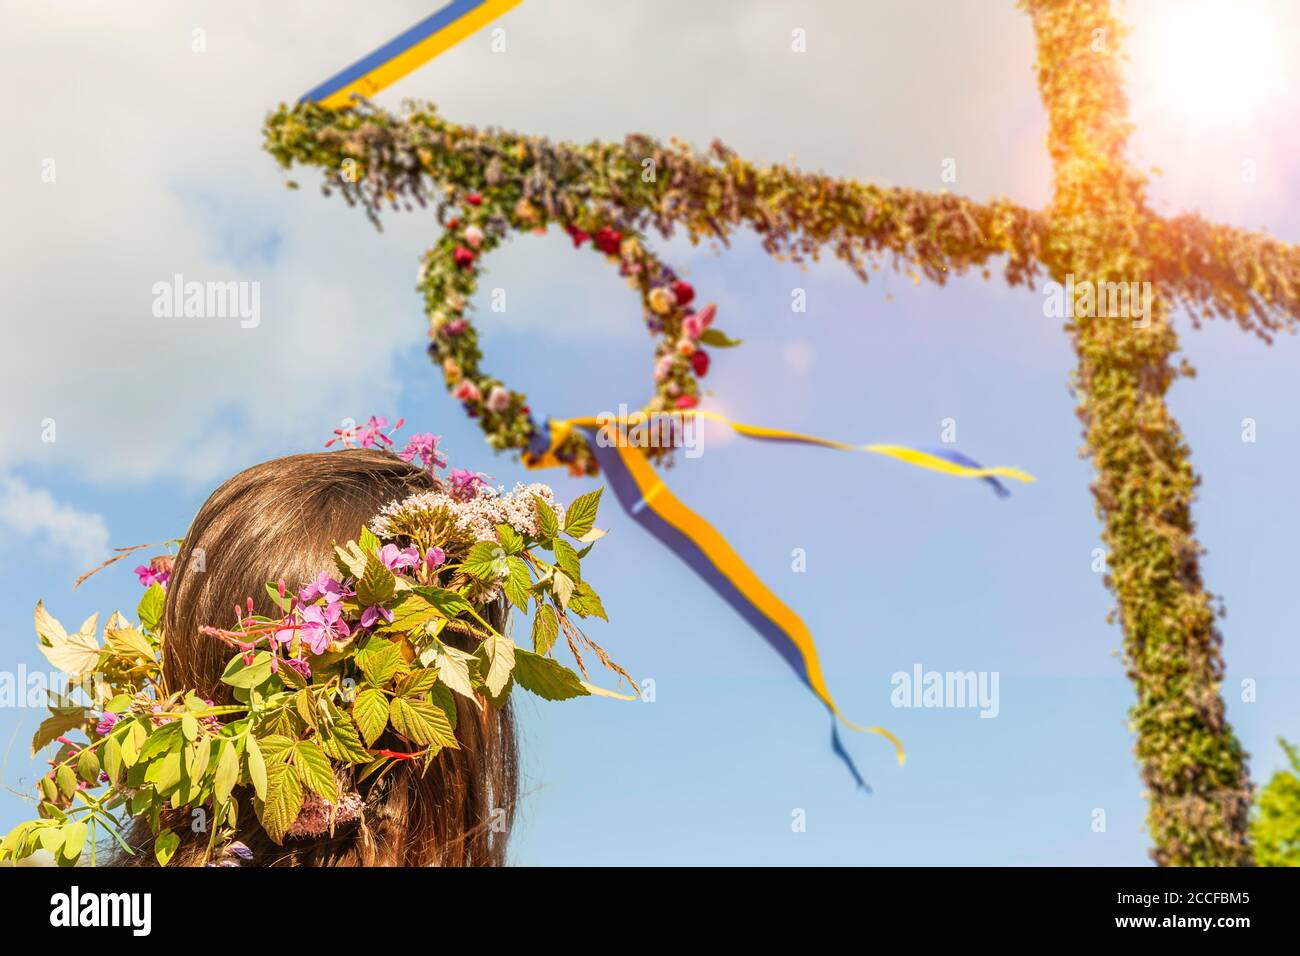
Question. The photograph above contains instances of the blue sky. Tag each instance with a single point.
(903, 567)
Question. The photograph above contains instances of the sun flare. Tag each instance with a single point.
(1216, 59)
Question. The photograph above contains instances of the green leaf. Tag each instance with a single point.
(315, 770)
(547, 523)
(518, 583)
(167, 772)
(88, 766)
(484, 561)
(718, 339)
(567, 559)
(56, 725)
(227, 772)
(237, 674)
(511, 540)
(74, 838)
(417, 682)
(546, 628)
(159, 742)
(150, 610)
(189, 726)
(126, 641)
(368, 542)
(66, 779)
(562, 588)
(450, 603)
(283, 801)
(113, 760)
(256, 767)
(370, 711)
(164, 846)
(453, 668)
(545, 677)
(442, 698)
(498, 653)
(585, 602)
(197, 759)
(422, 723)
(581, 516)
(285, 603)
(350, 560)
(377, 585)
(341, 741)
(76, 654)
(379, 660)
(411, 612)
(51, 839)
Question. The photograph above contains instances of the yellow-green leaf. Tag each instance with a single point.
(164, 846)
(370, 711)
(315, 771)
(422, 723)
(256, 767)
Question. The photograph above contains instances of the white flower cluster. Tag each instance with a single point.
(479, 515)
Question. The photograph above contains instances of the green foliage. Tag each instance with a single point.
(303, 716)
(1275, 824)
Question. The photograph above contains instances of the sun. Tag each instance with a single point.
(1214, 60)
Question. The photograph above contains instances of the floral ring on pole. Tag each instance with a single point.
(487, 185)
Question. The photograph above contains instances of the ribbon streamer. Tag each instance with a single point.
(407, 52)
(649, 503)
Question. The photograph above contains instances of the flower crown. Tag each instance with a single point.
(354, 672)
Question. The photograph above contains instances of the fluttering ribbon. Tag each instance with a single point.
(408, 51)
(648, 502)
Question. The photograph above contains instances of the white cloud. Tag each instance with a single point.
(34, 514)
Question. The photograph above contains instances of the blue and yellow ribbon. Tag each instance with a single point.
(649, 503)
(407, 52)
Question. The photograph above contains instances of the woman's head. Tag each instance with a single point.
(280, 520)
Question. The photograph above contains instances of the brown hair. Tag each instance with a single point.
(280, 519)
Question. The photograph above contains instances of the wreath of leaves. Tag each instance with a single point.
(301, 721)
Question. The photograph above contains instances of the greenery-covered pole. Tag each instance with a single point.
(1193, 766)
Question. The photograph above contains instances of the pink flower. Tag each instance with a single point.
(424, 447)
(434, 557)
(463, 257)
(374, 613)
(324, 586)
(706, 314)
(686, 401)
(465, 484)
(394, 558)
(498, 399)
(371, 433)
(467, 391)
(299, 665)
(106, 723)
(692, 328)
(158, 571)
(474, 236)
(456, 326)
(663, 368)
(320, 625)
